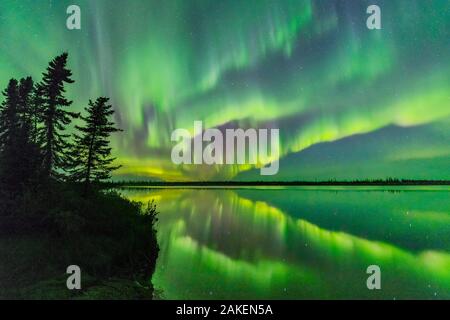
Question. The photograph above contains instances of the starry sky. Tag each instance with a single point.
(350, 103)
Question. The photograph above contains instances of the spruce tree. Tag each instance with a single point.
(19, 156)
(91, 152)
(31, 157)
(9, 115)
(36, 111)
(28, 108)
(52, 136)
(26, 87)
(9, 123)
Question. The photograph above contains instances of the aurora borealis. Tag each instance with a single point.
(350, 103)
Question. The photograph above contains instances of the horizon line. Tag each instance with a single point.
(281, 183)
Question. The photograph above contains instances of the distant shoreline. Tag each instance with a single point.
(277, 183)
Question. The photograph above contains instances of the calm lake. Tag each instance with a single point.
(301, 242)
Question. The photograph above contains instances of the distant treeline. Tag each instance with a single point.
(367, 182)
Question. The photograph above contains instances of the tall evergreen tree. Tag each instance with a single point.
(55, 118)
(29, 117)
(19, 155)
(9, 125)
(9, 115)
(28, 107)
(36, 111)
(91, 153)
(26, 87)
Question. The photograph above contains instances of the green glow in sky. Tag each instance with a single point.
(310, 68)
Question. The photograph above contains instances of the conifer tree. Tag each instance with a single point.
(91, 152)
(25, 88)
(28, 108)
(36, 111)
(30, 153)
(8, 128)
(9, 115)
(19, 156)
(52, 136)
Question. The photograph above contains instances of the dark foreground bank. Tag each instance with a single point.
(111, 239)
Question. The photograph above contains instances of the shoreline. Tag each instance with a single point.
(221, 185)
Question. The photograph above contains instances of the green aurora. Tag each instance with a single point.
(351, 103)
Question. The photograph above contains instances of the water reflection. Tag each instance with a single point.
(295, 243)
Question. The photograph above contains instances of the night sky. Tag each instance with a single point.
(351, 103)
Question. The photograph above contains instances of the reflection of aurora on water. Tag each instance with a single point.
(217, 244)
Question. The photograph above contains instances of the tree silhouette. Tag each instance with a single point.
(26, 87)
(30, 153)
(30, 102)
(25, 107)
(54, 141)
(9, 137)
(91, 153)
(9, 115)
(36, 111)
(19, 155)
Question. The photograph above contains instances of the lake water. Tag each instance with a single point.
(301, 242)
